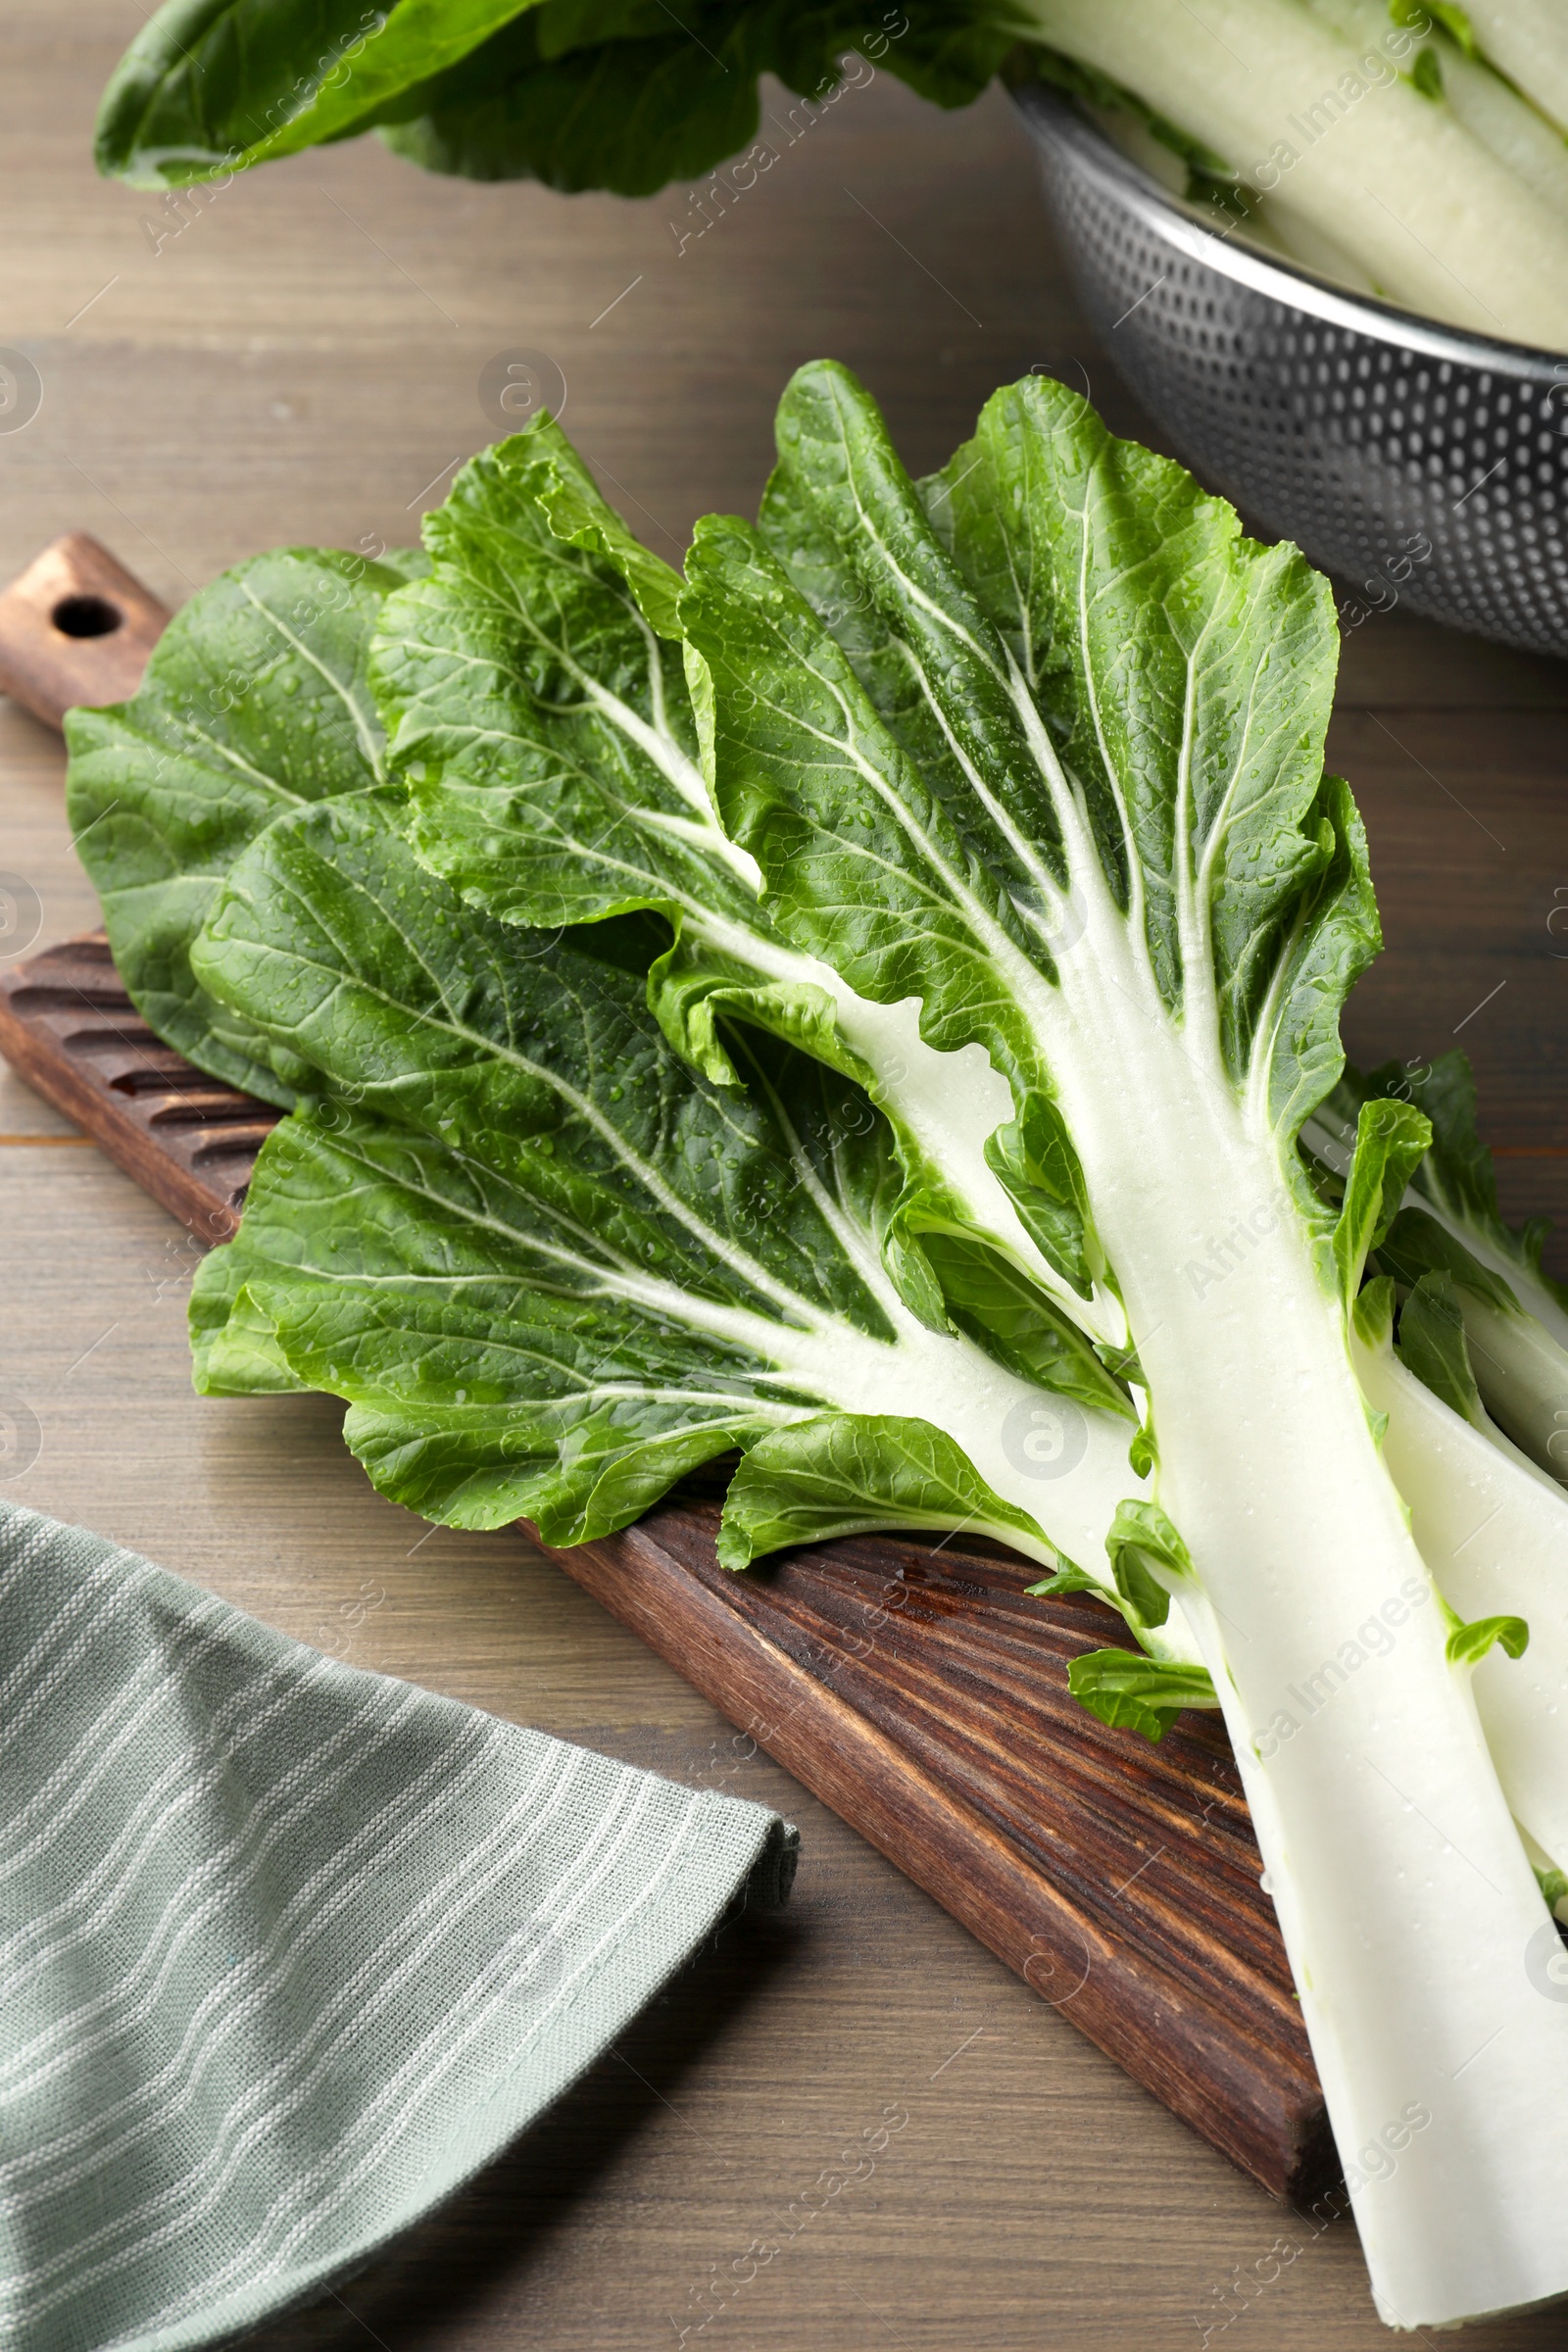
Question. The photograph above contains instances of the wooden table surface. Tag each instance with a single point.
(302, 362)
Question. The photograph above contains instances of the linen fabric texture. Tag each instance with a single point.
(288, 1950)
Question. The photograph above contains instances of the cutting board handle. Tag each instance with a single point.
(75, 627)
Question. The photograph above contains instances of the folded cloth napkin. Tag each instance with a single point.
(288, 1950)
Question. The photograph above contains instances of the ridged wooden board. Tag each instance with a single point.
(68, 1027)
(917, 1690)
(923, 1695)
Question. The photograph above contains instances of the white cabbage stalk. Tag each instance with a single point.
(583, 596)
(951, 1102)
(1494, 1530)
(1490, 1526)
(1298, 239)
(1326, 127)
(1531, 148)
(1049, 591)
(1522, 1373)
(1073, 685)
(1534, 1298)
(1517, 133)
(753, 1307)
(1519, 1354)
(1267, 1466)
(1528, 40)
(949, 1105)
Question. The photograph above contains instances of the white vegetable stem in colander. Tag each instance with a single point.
(1528, 40)
(1330, 129)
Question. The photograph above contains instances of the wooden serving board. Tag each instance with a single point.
(915, 1689)
(75, 627)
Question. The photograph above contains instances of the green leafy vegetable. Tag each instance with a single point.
(1136, 1693)
(1146, 1557)
(1287, 123)
(1389, 1141)
(552, 739)
(537, 706)
(630, 99)
(1514, 1314)
(843, 1475)
(1040, 742)
(1432, 1345)
(1553, 1887)
(1468, 1644)
(255, 701)
(1015, 771)
(1457, 1181)
(1415, 1244)
(918, 763)
(550, 1268)
(208, 86)
(623, 97)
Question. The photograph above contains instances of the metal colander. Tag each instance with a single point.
(1419, 462)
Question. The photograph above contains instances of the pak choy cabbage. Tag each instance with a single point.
(1403, 149)
(643, 993)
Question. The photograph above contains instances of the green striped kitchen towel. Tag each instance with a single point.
(288, 1950)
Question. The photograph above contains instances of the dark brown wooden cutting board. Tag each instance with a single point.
(915, 1689)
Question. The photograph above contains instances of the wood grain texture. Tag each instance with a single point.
(918, 1690)
(75, 627)
(68, 1028)
(269, 376)
(927, 1703)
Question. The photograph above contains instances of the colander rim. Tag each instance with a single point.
(1053, 120)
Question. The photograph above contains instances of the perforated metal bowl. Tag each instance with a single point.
(1420, 464)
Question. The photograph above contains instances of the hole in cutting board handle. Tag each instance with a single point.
(86, 616)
